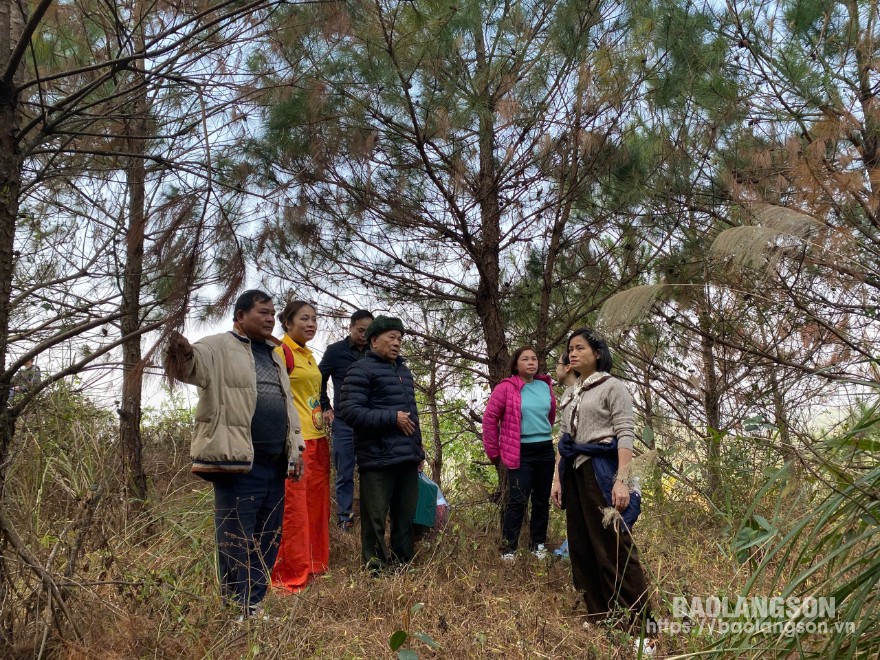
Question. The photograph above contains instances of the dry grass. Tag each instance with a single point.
(143, 585)
(474, 606)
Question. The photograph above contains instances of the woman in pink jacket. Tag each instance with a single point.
(517, 428)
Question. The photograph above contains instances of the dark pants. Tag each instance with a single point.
(393, 490)
(248, 510)
(343, 462)
(533, 479)
(604, 562)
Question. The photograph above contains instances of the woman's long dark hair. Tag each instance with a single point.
(598, 344)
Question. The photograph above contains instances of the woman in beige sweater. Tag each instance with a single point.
(597, 410)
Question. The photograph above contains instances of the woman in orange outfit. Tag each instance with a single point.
(305, 535)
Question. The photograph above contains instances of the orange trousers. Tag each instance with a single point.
(305, 531)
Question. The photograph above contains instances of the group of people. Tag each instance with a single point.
(590, 477)
(261, 438)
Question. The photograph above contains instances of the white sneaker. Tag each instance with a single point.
(243, 617)
(645, 647)
(508, 557)
(540, 551)
(254, 613)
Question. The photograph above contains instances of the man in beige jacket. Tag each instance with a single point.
(247, 440)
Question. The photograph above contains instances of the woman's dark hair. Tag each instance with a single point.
(603, 362)
(246, 301)
(290, 310)
(515, 358)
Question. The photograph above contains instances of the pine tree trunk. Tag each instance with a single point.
(712, 406)
(488, 296)
(10, 186)
(648, 395)
(437, 457)
(132, 377)
(786, 447)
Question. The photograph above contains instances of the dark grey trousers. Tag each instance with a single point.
(395, 491)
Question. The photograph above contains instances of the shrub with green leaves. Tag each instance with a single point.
(830, 549)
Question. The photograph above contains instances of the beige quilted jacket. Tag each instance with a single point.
(222, 367)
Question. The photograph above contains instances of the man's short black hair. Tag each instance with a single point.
(361, 314)
(246, 301)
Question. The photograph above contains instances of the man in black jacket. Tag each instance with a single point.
(379, 403)
(337, 359)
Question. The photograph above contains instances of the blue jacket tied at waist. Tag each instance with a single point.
(604, 459)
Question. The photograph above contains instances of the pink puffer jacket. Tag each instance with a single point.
(502, 421)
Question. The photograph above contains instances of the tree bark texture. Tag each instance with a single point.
(712, 406)
(437, 455)
(11, 28)
(132, 377)
(10, 183)
(488, 250)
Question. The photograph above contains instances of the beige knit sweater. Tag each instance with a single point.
(597, 413)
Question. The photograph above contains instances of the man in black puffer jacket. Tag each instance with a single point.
(379, 403)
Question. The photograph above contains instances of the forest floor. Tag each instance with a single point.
(137, 579)
(143, 584)
(457, 596)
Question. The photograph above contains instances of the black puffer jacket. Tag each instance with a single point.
(373, 392)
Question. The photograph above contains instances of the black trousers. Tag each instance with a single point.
(248, 509)
(532, 480)
(604, 562)
(393, 490)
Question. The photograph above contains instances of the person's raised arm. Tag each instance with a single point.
(188, 363)
(178, 358)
